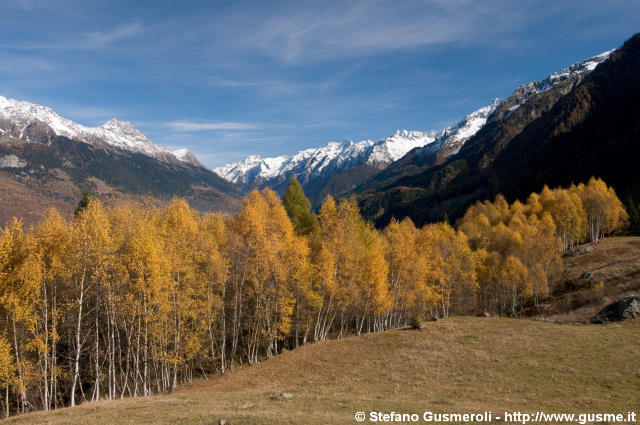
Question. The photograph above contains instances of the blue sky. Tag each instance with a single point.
(230, 78)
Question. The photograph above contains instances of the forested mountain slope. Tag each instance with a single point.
(582, 127)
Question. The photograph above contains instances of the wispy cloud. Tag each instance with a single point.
(21, 65)
(265, 87)
(209, 126)
(92, 40)
(327, 30)
(30, 5)
(121, 32)
(301, 32)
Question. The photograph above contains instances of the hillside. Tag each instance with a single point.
(582, 127)
(54, 174)
(454, 365)
(592, 280)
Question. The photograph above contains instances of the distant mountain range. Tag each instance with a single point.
(582, 121)
(308, 164)
(46, 160)
(342, 168)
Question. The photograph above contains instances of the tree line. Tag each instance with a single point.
(134, 299)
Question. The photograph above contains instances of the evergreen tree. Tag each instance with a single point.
(634, 216)
(299, 209)
(84, 202)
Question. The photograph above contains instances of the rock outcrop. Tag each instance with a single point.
(623, 309)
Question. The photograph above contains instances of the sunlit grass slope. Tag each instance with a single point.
(454, 365)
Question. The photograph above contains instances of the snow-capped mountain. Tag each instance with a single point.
(307, 164)
(47, 160)
(525, 91)
(17, 117)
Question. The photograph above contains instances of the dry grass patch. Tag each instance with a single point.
(591, 281)
(459, 364)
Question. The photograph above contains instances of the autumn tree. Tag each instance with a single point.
(19, 298)
(90, 251)
(213, 268)
(357, 278)
(514, 277)
(326, 269)
(7, 372)
(511, 238)
(273, 257)
(180, 231)
(605, 213)
(567, 211)
(407, 277)
(52, 237)
(451, 267)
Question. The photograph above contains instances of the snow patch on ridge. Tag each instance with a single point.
(453, 138)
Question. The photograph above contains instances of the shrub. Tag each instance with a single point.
(415, 323)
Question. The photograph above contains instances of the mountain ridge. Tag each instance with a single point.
(314, 160)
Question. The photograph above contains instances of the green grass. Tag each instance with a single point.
(454, 365)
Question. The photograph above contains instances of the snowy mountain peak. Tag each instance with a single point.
(24, 113)
(18, 115)
(324, 161)
(124, 135)
(395, 147)
(525, 91)
(454, 137)
(120, 126)
(254, 158)
(181, 153)
(586, 65)
(186, 156)
(407, 134)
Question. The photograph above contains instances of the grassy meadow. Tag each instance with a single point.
(453, 365)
